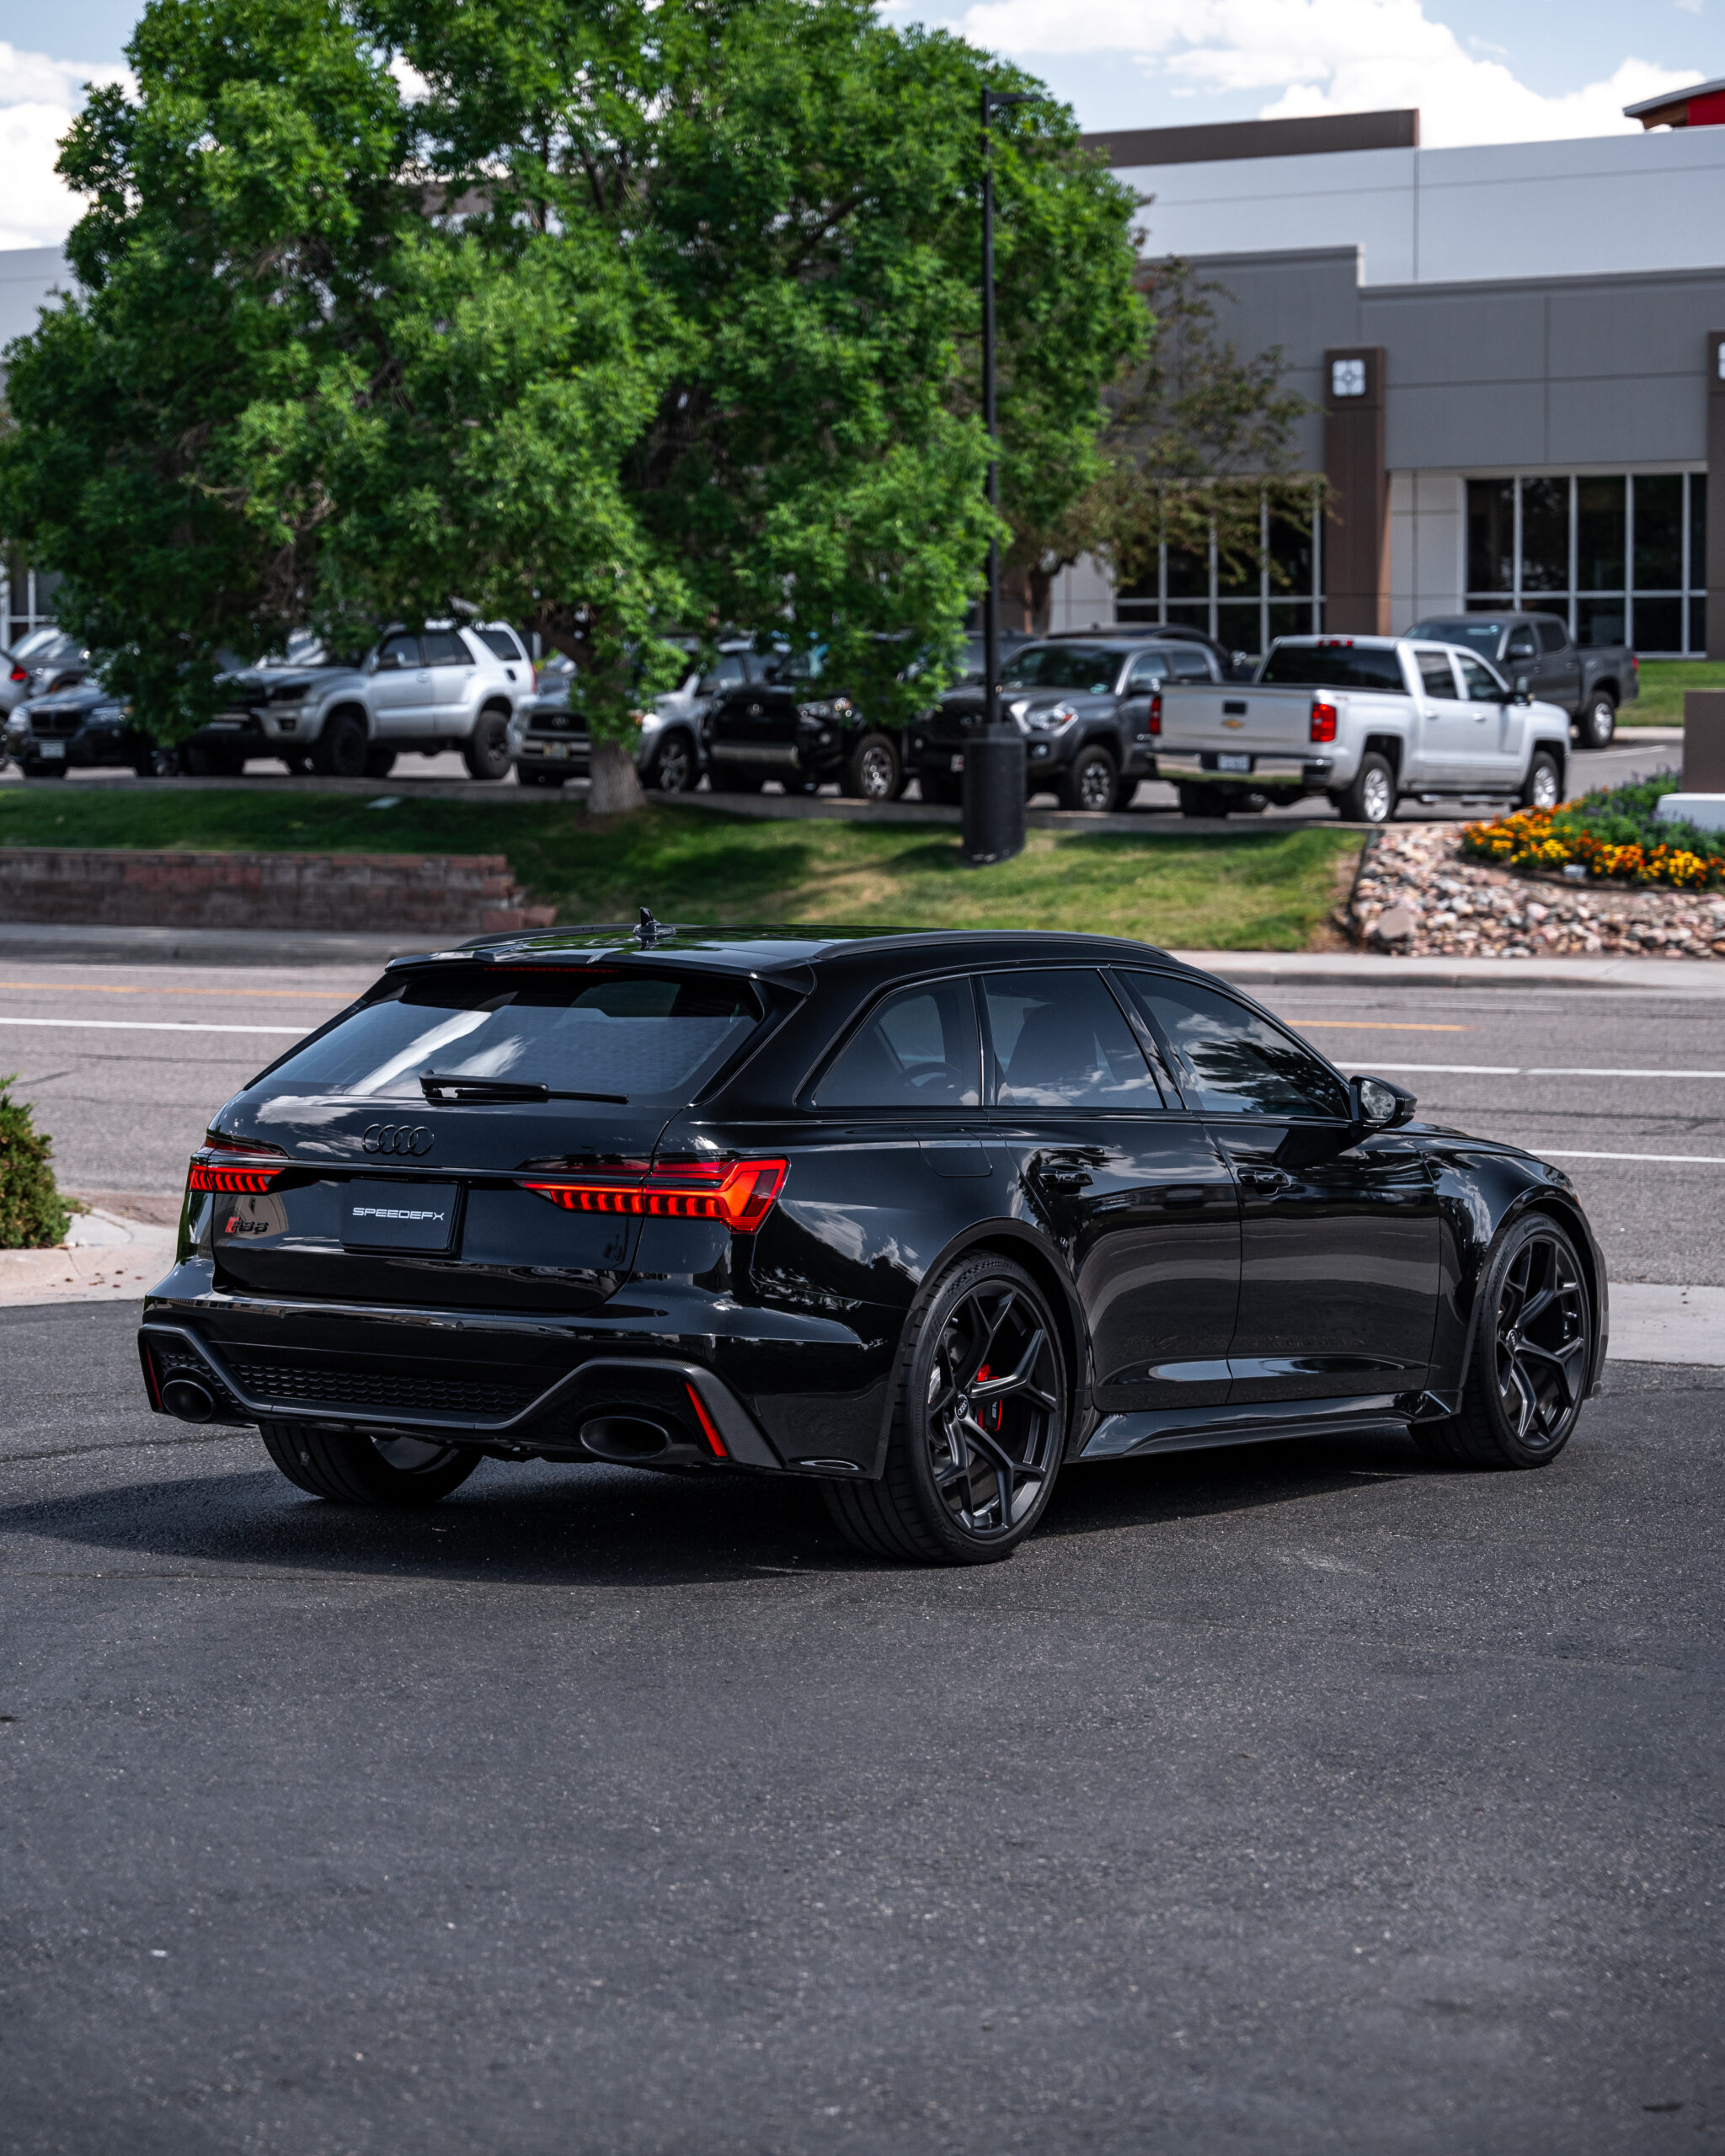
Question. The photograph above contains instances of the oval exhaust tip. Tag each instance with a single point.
(189, 1399)
(624, 1438)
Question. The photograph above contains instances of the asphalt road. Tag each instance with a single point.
(1292, 1800)
(126, 1066)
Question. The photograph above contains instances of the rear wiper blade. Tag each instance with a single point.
(437, 1088)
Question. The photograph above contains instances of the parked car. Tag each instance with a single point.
(1362, 720)
(76, 728)
(45, 660)
(924, 1218)
(1083, 708)
(1536, 652)
(551, 744)
(453, 686)
(1230, 665)
(790, 720)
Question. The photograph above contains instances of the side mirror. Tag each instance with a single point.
(1380, 1105)
(1524, 689)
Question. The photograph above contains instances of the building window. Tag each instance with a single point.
(1280, 595)
(26, 596)
(1621, 556)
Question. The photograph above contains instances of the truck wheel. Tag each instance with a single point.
(1371, 798)
(485, 752)
(946, 789)
(871, 771)
(1090, 782)
(674, 770)
(341, 748)
(1598, 721)
(1541, 787)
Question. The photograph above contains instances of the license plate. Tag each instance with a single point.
(957, 763)
(558, 749)
(1226, 763)
(49, 750)
(417, 1216)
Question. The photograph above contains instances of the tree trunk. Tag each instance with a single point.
(614, 789)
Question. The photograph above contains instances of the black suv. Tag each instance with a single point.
(791, 722)
(1084, 711)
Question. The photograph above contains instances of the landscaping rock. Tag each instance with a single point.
(1414, 894)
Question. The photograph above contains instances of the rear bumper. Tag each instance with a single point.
(1312, 773)
(781, 1393)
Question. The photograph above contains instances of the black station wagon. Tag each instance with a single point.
(924, 1218)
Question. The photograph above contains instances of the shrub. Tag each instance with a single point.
(1615, 833)
(32, 1214)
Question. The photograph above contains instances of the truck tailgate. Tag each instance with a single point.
(1238, 719)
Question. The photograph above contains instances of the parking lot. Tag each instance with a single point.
(1286, 1799)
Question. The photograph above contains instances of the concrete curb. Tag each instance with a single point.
(112, 1260)
(95, 945)
(1698, 977)
(1655, 1324)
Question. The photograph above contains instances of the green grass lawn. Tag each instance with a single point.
(1262, 889)
(1663, 682)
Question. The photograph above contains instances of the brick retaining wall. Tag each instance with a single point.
(442, 894)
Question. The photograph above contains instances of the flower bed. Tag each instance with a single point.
(1615, 834)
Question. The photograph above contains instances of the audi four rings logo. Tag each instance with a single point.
(397, 1138)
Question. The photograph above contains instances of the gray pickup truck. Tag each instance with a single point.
(1536, 652)
(1363, 720)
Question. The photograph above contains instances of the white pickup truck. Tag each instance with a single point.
(1363, 720)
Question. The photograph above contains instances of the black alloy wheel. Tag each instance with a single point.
(674, 770)
(980, 1423)
(1599, 720)
(1090, 782)
(871, 770)
(403, 1472)
(485, 752)
(341, 747)
(379, 762)
(1528, 1375)
(156, 760)
(1541, 788)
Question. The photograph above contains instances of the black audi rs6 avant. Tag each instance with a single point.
(926, 1217)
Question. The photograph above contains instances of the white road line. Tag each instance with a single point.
(1684, 1160)
(1543, 1071)
(1462, 1070)
(154, 1026)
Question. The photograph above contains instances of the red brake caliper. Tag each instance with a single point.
(990, 1416)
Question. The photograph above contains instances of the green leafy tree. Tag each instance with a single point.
(631, 318)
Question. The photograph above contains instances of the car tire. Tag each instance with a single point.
(1371, 798)
(156, 760)
(1090, 782)
(529, 774)
(342, 747)
(379, 762)
(1598, 720)
(871, 771)
(1527, 1368)
(953, 1494)
(485, 752)
(402, 1473)
(1542, 787)
(676, 768)
(945, 789)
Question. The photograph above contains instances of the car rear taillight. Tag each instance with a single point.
(741, 1194)
(20, 674)
(1324, 722)
(1156, 714)
(240, 1165)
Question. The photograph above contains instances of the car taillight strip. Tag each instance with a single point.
(212, 1175)
(741, 1193)
(1323, 721)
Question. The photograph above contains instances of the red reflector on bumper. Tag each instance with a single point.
(705, 1419)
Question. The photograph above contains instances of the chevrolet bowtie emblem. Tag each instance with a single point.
(1236, 724)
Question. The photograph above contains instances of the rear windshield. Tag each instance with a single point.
(1461, 628)
(1061, 666)
(641, 1038)
(1336, 666)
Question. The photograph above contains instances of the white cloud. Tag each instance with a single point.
(39, 96)
(1323, 56)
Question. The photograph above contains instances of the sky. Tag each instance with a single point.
(1480, 71)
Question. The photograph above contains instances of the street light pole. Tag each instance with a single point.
(994, 765)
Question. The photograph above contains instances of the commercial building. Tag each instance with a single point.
(1514, 357)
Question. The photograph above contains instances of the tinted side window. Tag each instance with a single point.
(919, 1049)
(1553, 636)
(1434, 675)
(443, 647)
(1060, 1040)
(398, 651)
(500, 643)
(1192, 666)
(726, 675)
(1521, 644)
(1149, 670)
(1235, 1062)
(1480, 682)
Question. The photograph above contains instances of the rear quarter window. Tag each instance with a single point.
(501, 645)
(654, 1037)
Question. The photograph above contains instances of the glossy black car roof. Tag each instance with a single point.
(790, 949)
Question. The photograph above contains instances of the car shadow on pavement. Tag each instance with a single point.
(538, 1523)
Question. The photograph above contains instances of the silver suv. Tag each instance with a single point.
(449, 687)
(37, 664)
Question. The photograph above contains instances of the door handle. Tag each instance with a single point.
(1187, 1196)
(1063, 1178)
(1265, 1178)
